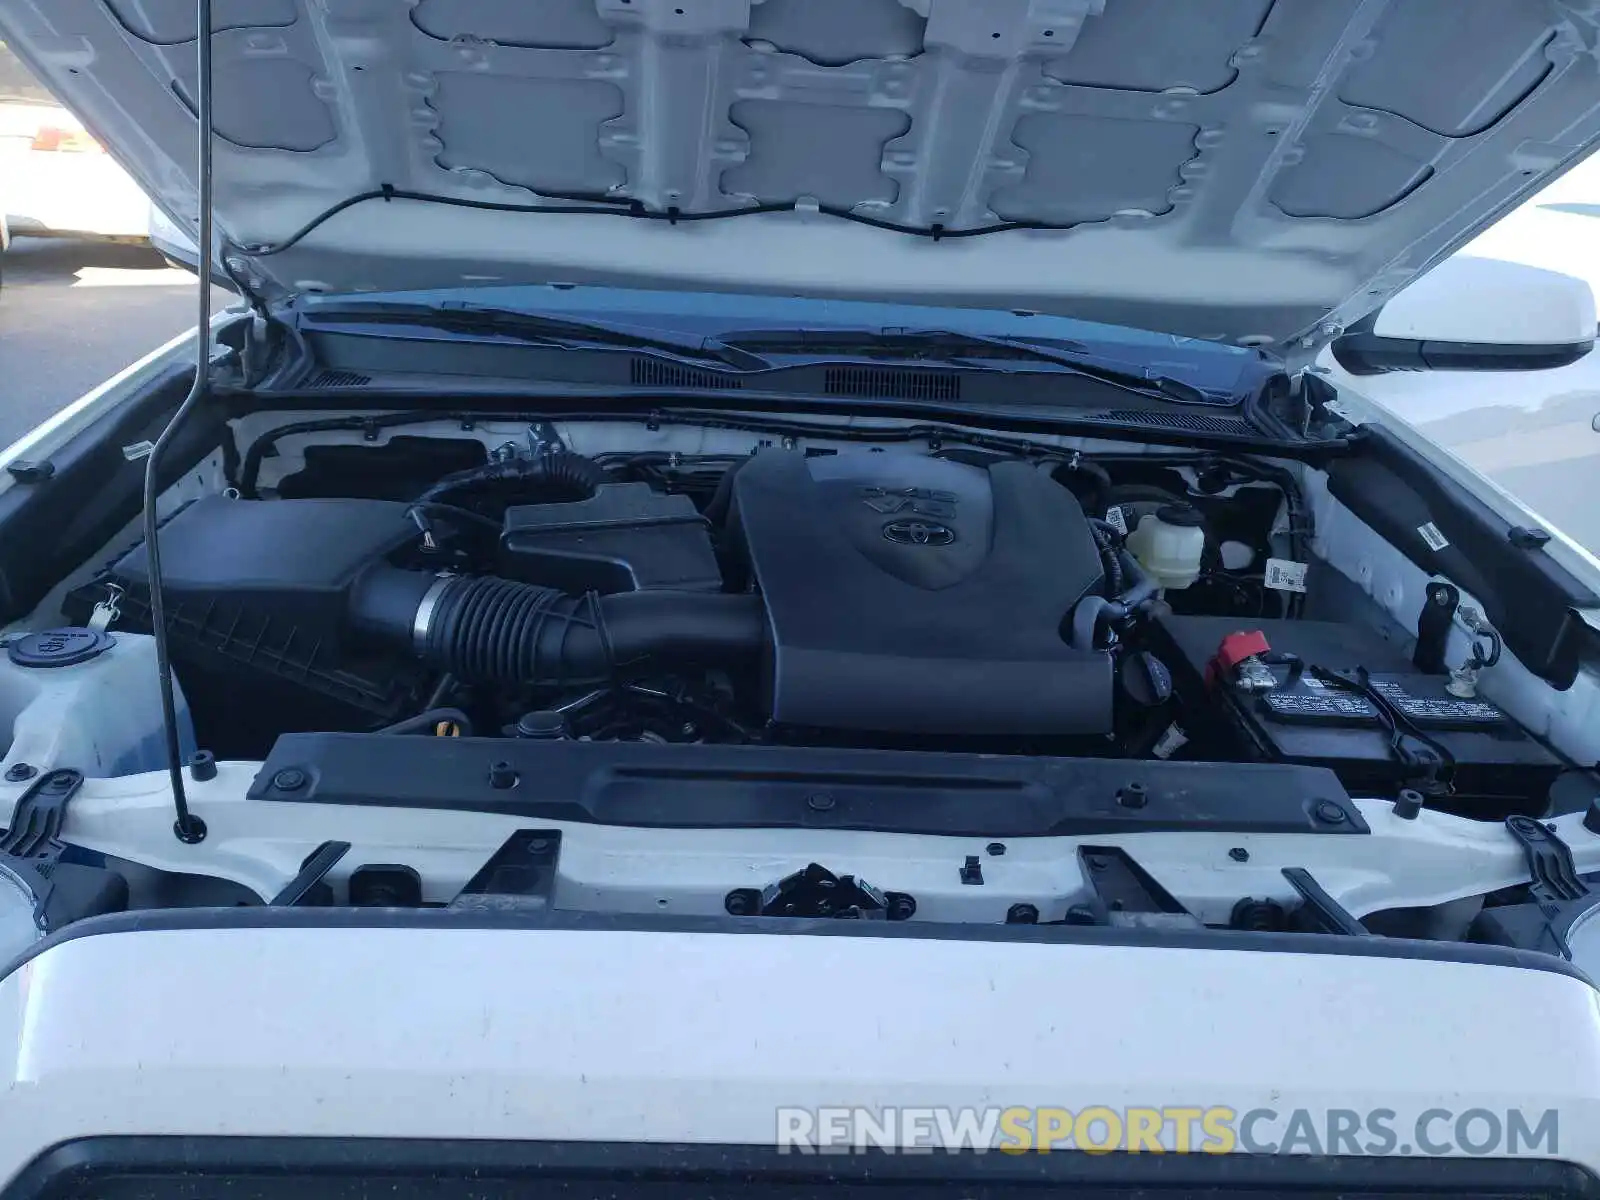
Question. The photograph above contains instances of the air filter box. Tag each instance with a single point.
(264, 585)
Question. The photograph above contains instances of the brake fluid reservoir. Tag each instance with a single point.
(1167, 543)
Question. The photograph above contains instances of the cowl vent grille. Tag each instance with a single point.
(1192, 422)
(338, 379)
(652, 372)
(880, 383)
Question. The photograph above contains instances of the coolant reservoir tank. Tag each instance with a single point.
(1168, 544)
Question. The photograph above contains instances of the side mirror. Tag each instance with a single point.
(1475, 314)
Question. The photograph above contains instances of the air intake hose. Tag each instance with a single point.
(488, 630)
(554, 475)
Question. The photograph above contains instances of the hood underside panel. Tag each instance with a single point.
(1240, 169)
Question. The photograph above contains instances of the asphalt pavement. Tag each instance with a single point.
(74, 313)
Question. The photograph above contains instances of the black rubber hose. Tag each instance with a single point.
(552, 476)
(1092, 612)
(1087, 618)
(1101, 487)
(488, 630)
(1108, 559)
(1141, 587)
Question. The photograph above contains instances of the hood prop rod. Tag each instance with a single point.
(188, 827)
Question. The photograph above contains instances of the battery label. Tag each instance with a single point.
(1323, 705)
(1439, 710)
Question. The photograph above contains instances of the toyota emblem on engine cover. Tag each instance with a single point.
(919, 533)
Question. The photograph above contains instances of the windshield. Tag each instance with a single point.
(1223, 372)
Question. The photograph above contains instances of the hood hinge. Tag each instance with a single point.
(1301, 352)
(254, 289)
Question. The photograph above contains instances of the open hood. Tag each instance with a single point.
(1254, 171)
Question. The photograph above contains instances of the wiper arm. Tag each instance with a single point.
(950, 345)
(537, 329)
(738, 353)
(1075, 358)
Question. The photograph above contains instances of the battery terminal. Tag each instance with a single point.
(1240, 662)
(1486, 648)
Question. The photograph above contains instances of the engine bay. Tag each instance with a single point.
(922, 596)
(740, 666)
(637, 605)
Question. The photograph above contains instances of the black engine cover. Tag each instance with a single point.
(909, 594)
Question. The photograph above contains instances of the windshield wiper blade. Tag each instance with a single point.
(1076, 358)
(536, 329)
(948, 345)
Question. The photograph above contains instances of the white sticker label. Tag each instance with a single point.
(1312, 682)
(138, 450)
(1170, 742)
(1116, 520)
(1430, 534)
(1286, 575)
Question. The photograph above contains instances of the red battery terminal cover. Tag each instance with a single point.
(1234, 651)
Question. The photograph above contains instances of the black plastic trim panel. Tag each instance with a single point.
(741, 787)
(1370, 354)
(438, 919)
(1527, 595)
(49, 528)
(292, 1168)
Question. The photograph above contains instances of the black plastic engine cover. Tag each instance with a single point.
(908, 594)
(626, 537)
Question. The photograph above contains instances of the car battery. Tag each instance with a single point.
(1337, 696)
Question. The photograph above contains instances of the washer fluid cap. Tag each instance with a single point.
(60, 647)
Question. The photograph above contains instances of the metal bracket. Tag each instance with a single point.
(818, 892)
(543, 438)
(1125, 894)
(520, 876)
(1433, 628)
